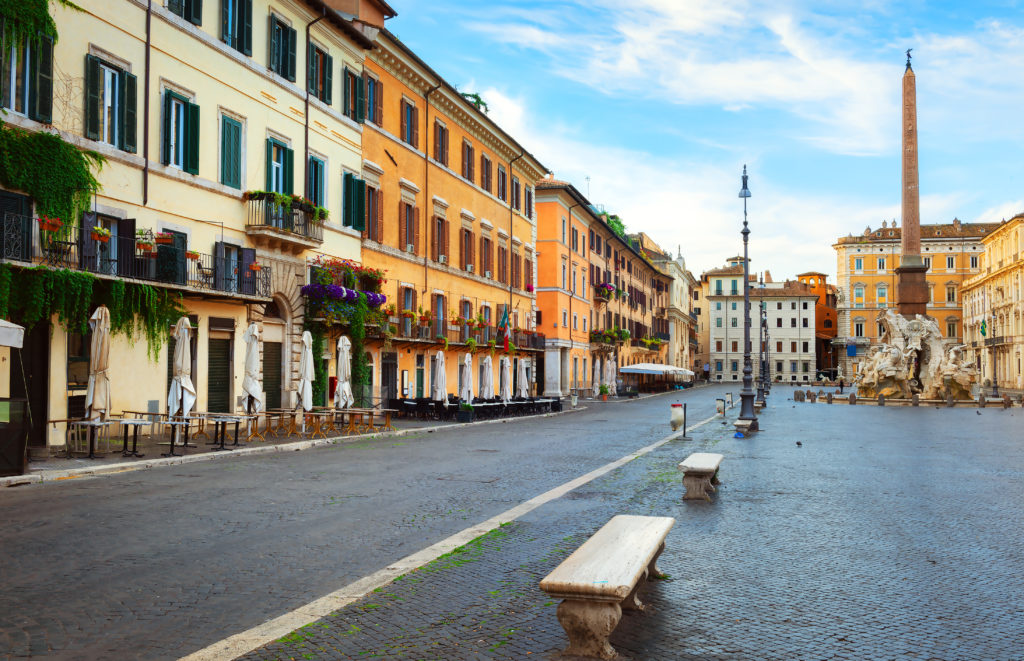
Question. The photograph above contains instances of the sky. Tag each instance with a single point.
(651, 108)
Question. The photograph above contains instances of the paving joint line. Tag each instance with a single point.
(242, 643)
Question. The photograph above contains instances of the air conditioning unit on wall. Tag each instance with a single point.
(409, 247)
(469, 268)
(487, 274)
(443, 259)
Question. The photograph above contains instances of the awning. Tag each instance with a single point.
(654, 368)
(11, 335)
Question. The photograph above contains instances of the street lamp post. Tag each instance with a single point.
(759, 399)
(992, 349)
(767, 361)
(747, 421)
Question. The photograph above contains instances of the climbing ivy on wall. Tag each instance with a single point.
(27, 20)
(31, 295)
(357, 333)
(57, 175)
(319, 371)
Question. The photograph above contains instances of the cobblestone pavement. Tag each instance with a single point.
(157, 564)
(890, 533)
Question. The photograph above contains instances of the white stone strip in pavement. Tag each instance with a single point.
(246, 641)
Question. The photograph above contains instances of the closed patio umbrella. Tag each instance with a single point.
(182, 396)
(251, 384)
(487, 381)
(596, 383)
(439, 389)
(466, 394)
(97, 397)
(506, 379)
(609, 375)
(523, 387)
(343, 397)
(306, 373)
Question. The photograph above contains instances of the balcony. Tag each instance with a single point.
(664, 337)
(288, 229)
(409, 330)
(132, 258)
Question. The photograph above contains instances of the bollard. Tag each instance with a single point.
(720, 406)
(881, 400)
(853, 398)
(950, 402)
(676, 418)
(828, 398)
(914, 400)
(1007, 402)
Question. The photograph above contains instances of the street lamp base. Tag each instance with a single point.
(758, 404)
(746, 426)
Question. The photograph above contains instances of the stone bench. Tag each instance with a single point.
(602, 577)
(700, 474)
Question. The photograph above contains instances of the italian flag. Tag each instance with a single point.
(504, 325)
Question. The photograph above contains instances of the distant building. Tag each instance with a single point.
(825, 320)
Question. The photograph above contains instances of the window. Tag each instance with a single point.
(778, 348)
(354, 95)
(974, 261)
(515, 193)
(467, 160)
(503, 188)
(181, 133)
(805, 305)
(735, 345)
(804, 346)
(236, 24)
(778, 305)
(792, 305)
(279, 167)
(230, 152)
(778, 366)
(528, 278)
(564, 277)
(575, 319)
(951, 263)
(858, 263)
(718, 305)
(734, 305)
(439, 239)
(374, 94)
(26, 77)
(881, 263)
(734, 290)
(806, 367)
(804, 322)
(951, 293)
(718, 345)
(487, 257)
(528, 208)
(466, 249)
(718, 366)
(927, 262)
(485, 173)
(410, 132)
(828, 323)
(575, 240)
(565, 318)
(502, 264)
(320, 77)
(408, 227)
(110, 103)
(792, 366)
(282, 49)
(733, 320)
(190, 10)
(354, 198)
(440, 143)
(792, 347)
(880, 329)
(792, 322)
(718, 322)
(858, 329)
(735, 366)
(881, 294)
(951, 328)
(373, 221)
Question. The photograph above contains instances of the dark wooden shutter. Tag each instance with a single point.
(483, 260)
(446, 239)
(86, 246)
(191, 138)
(92, 98)
(289, 162)
(270, 164)
(41, 81)
(435, 236)
(378, 110)
(218, 392)
(126, 261)
(379, 210)
(402, 119)
(292, 38)
(360, 99)
(129, 115)
(176, 7)
(230, 153)
(415, 127)
(328, 92)
(194, 9)
(219, 265)
(402, 229)
(226, 31)
(416, 229)
(245, 26)
(246, 276)
(346, 93)
(346, 199)
(165, 155)
(311, 69)
(277, 58)
(272, 374)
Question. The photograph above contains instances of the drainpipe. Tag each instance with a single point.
(427, 202)
(511, 215)
(571, 275)
(305, 146)
(145, 109)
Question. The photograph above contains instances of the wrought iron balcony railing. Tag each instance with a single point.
(266, 217)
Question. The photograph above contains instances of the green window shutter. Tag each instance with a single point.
(289, 158)
(92, 98)
(328, 79)
(292, 37)
(176, 7)
(360, 99)
(195, 11)
(165, 157)
(129, 86)
(227, 31)
(346, 200)
(346, 92)
(270, 164)
(191, 138)
(276, 47)
(311, 70)
(359, 222)
(245, 25)
(230, 152)
(41, 78)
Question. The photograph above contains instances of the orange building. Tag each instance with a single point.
(825, 319)
(449, 217)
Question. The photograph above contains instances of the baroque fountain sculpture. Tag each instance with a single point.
(912, 358)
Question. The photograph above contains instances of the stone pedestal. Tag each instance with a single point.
(912, 289)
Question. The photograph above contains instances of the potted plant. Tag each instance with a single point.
(465, 412)
(408, 314)
(471, 344)
(101, 234)
(603, 390)
(48, 224)
(255, 267)
(442, 340)
(164, 237)
(192, 254)
(529, 288)
(145, 246)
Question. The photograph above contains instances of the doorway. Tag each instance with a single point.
(389, 377)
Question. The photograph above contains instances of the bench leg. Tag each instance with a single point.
(652, 569)
(695, 484)
(714, 478)
(588, 625)
(632, 602)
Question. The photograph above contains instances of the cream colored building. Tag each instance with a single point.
(996, 296)
(866, 268)
(682, 321)
(193, 104)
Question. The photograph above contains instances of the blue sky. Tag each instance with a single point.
(661, 103)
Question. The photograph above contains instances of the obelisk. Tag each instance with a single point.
(911, 286)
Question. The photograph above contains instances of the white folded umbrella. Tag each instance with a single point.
(439, 389)
(523, 387)
(306, 372)
(505, 384)
(487, 382)
(251, 384)
(466, 393)
(596, 383)
(343, 397)
(97, 397)
(182, 395)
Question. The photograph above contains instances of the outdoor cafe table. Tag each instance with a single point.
(220, 426)
(175, 425)
(135, 423)
(254, 427)
(282, 416)
(319, 418)
(93, 425)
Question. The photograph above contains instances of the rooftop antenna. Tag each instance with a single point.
(588, 186)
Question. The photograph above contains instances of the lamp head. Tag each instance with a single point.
(744, 192)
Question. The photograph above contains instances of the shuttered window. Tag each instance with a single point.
(374, 225)
(374, 94)
(467, 160)
(218, 392)
(315, 187)
(515, 193)
(355, 100)
(280, 166)
(282, 49)
(230, 152)
(439, 239)
(408, 227)
(410, 124)
(485, 173)
(111, 97)
(320, 73)
(354, 202)
(26, 79)
(236, 24)
(502, 184)
(180, 132)
(190, 10)
(440, 143)
(272, 374)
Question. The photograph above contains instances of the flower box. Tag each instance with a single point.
(255, 268)
(193, 255)
(102, 238)
(165, 238)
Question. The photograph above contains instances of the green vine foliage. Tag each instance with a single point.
(357, 333)
(32, 295)
(58, 175)
(319, 371)
(27, 20)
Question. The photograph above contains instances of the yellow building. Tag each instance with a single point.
(210, 117)
(449, 217)
(866, 269)
(995, 296)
